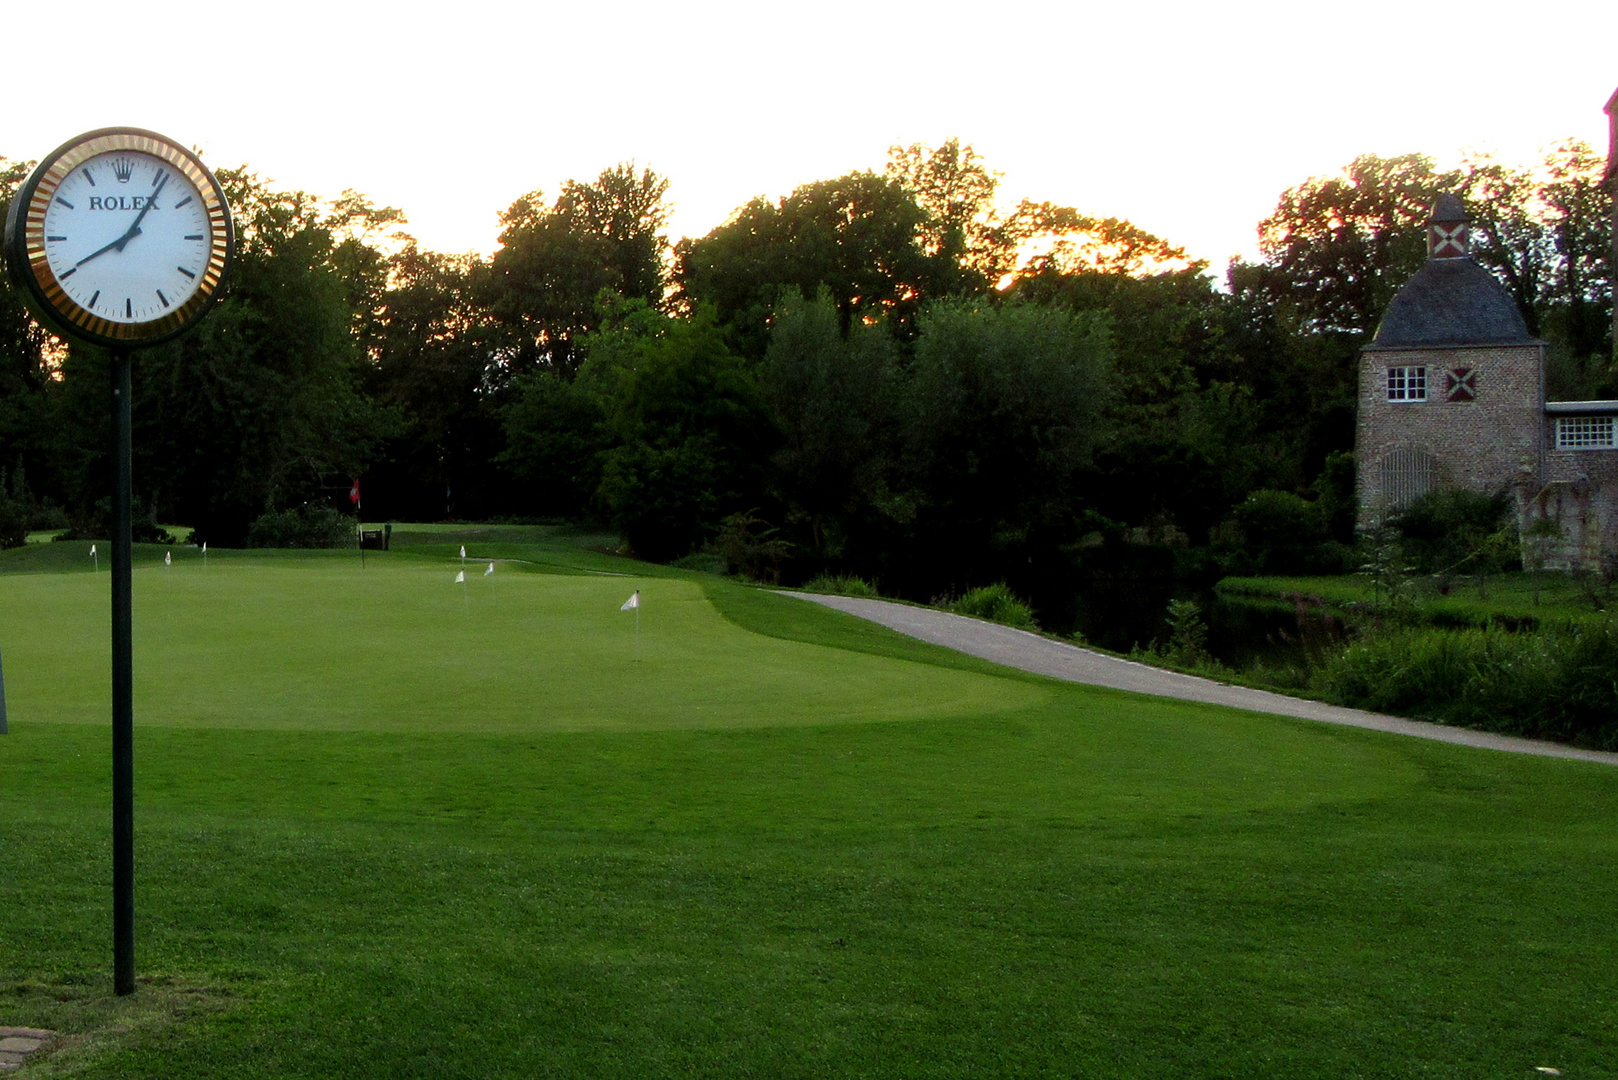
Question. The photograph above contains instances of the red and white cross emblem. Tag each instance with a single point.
(1446, 241)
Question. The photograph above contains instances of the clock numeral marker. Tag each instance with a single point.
(129, 308)
(65, 203)
(90, 178)
(55, 239)
(157, 178)
(195, 236)
(186, 272)
(93, 300)
(163, 298)
(182, 202)
(69, 273)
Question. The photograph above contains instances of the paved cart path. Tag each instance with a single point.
(1030, 652)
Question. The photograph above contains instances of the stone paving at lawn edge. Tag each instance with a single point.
(16, 1043)
(1059, 660)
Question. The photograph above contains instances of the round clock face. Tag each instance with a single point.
(121, 237)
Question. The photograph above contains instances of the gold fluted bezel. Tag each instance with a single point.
(66, 313)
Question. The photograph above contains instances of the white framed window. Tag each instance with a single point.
(1585, 433)
(1407, 384)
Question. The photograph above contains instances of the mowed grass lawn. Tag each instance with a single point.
(391, 827)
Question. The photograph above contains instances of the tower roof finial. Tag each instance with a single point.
(1447, 234)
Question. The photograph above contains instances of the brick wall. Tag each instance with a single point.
(1484, 444)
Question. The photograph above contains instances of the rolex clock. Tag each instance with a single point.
(120, 237)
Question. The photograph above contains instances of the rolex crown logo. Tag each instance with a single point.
(123, 168)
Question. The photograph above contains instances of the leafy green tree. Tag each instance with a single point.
(833, 399)
(429, 360)
(970, 245)
(858, 237)
(1189, 430)
(688, 433)
(1579, 212)
(1003, 409)
(553, 263)
(1337, 248)
(555, 438)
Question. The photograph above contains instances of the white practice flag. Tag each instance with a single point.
(205, 547)
(460, 579)
(168, 558)
(463, 551)
(489, 571)
(632, 603)
(92, 549)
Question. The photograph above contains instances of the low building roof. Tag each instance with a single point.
(1585, 407)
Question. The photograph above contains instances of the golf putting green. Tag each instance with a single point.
(400, 646)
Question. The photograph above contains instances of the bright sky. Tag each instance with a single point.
(1188, 118)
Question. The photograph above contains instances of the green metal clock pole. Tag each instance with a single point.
(123, 697)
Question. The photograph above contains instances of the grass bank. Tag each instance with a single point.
(1512, 600)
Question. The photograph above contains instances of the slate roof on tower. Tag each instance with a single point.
(1451, 301)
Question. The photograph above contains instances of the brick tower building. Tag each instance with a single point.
(1452, 387)
(1452, 394)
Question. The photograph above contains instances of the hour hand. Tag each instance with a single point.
(118, 244)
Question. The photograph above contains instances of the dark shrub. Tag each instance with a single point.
(308, 526)
(1447, 530)
(842, 585)
(13, 522)
(1280, 530)
(996, 604)
(96, 524)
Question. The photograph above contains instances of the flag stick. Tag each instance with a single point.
(359, 518)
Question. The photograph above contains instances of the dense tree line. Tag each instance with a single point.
(885, 374)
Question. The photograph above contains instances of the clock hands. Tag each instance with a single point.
(134, 226)
(118, 243)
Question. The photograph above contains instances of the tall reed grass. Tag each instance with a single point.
(1557, 684)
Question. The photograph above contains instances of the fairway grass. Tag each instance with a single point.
(388, 829)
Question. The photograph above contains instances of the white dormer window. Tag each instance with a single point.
(1407, 384)
(1585, 433)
